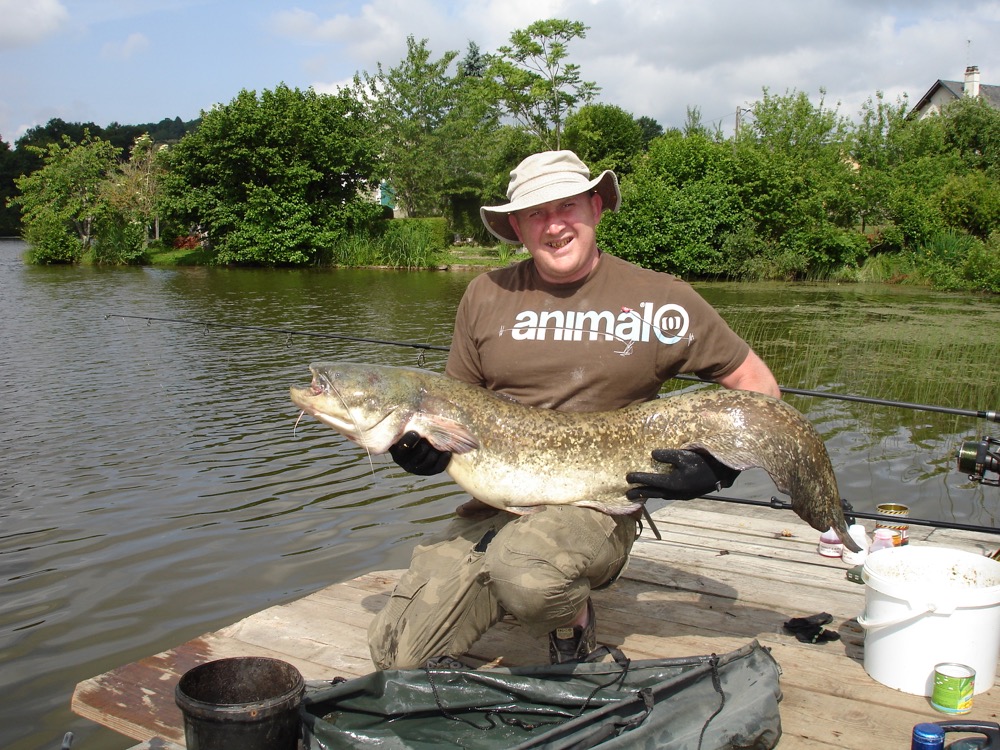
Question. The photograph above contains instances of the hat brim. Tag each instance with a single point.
(496, 220)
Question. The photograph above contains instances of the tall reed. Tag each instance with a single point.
(392, 251)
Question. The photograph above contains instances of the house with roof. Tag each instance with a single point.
(943, 93)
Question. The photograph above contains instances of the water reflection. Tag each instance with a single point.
(156, 487)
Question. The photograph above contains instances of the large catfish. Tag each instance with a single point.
(514, 457)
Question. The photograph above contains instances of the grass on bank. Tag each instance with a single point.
(364, 252)
(947, 261)
(975, 269)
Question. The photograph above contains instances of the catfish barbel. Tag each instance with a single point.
(514, 457)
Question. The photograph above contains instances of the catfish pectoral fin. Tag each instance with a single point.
(445, 434)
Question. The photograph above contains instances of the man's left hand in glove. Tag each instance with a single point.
(692, 474)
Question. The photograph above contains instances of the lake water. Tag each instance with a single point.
(153, 485)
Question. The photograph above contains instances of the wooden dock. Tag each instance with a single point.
(721, 576)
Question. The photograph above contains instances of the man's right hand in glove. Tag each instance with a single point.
(417, 456)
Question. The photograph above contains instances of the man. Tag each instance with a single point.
(572, 329)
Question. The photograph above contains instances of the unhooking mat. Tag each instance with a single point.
(707, 702)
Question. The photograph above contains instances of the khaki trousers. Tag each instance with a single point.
(539, 567)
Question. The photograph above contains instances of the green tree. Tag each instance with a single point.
(917, 163)
(871, 151)
(435, 131)
(871, 138)
(410, 104)
(678, 208)
(694, 124)
(799, 184)
(275, 179)
(471, 138)
(650, 129)
(130, 212)
(61, 200)
(972, 129)
(971, 203)
(534, 83)
(474, 64)
(605, 137)
(509, 145)
(10, 217)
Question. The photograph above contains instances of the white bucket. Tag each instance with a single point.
(928, 605)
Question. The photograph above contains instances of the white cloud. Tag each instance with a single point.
(376, 31)
(720, 55)
(333, 87)
(25, 22)
(650, 57)
(659, 58)
(133, 44)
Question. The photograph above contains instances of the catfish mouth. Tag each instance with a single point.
(322, 400)
(319, 387)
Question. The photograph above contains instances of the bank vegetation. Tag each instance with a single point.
(287, 177)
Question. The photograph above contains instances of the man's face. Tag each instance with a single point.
(561, 236)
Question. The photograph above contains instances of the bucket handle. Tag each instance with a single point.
(912, 614)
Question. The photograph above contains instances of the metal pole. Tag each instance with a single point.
(284, 331)
(992, 416)
(785, 505)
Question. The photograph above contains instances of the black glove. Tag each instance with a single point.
(693, 474)
(810, 629)
(418, 456)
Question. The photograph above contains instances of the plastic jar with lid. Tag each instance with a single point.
(882, 540)
(860, 536)
(830, 544)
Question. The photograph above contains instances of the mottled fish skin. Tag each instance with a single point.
(515, 457)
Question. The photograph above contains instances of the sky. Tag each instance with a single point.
(140, 61)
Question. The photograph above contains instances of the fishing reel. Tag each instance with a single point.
(976, 457)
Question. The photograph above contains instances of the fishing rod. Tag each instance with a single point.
(992, 416)
(285, 331)
(778, 504)
(977, 466)
(989, 415)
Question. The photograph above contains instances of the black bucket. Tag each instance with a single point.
(243, 703)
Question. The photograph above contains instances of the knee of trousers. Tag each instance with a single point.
(542, 598)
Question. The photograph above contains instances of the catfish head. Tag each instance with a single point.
(374, 406)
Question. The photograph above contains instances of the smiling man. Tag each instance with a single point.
(562, 236)
(575, 329)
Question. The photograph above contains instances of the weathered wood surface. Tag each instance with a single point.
(719, 578)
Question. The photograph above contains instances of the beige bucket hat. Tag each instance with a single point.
(545, 177)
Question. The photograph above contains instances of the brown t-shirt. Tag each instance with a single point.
(602, 343)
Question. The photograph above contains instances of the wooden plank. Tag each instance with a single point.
(137, 699)
(718, 579)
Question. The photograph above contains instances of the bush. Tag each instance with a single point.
(119, 242)
(971, 203)
(431, 234)
(399, 243)
(886, 239)
(982, 265)
(752, 257)
(915, 216)
(945, 259)
(826, 247)
(465, 222)
(51, 242)
(678, 229)
(889, 268)
(777, 265)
